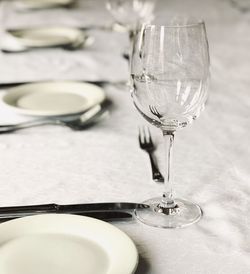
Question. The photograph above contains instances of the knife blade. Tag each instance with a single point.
(109, 216)
(81, 209)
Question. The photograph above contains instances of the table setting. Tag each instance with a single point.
(124, 137)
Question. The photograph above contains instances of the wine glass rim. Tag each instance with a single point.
(188, 25)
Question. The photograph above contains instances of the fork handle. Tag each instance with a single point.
(156, 175)
(28, 124)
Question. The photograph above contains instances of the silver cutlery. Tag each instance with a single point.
(146, 144)
(90, 209)
(6, 85)
(85, 120)
(109, 216)
(80, 43)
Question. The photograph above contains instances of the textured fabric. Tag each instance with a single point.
(211, 161)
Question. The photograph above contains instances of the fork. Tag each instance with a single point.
(146, 144)
(85, 120)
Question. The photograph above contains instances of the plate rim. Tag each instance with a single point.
(128, 267)
(39, 113)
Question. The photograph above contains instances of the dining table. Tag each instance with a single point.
(53, 164)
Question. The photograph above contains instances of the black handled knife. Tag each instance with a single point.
(103, 210)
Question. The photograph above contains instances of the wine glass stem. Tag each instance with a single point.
(127, 54)
(167, 197)
(131, 35)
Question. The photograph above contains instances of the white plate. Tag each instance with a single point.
(53, 98)
(65, 244)
(48, 36)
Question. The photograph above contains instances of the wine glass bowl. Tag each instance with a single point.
(170, 77)
(169, 86)
(179, 111)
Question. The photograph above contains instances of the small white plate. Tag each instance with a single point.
(65, 244)
(48, 36)
(53, 98)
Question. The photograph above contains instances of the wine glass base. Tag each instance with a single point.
(183, 214)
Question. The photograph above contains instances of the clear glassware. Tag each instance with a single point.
(169, 81)
(130, 14)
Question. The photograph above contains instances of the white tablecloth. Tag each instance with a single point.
(104, 163)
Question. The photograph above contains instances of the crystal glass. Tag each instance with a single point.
(169, 81)
(130, 14)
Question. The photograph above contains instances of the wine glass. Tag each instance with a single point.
(130, 14)
(169, 81)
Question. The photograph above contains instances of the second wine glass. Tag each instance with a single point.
(130, 14)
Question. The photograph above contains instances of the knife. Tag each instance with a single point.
(109, 216)
(90, 209)
(15, 84)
